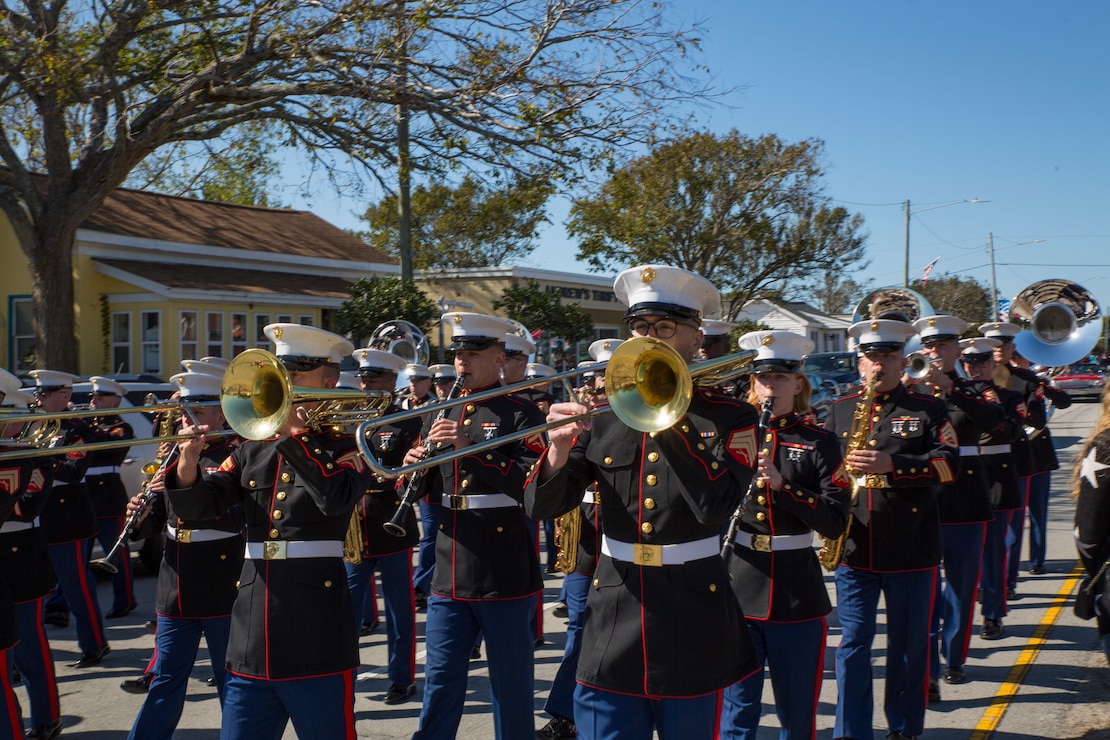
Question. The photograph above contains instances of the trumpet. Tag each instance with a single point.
(919, 365)
(648, 383)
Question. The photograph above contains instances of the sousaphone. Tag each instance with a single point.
(1061, 322)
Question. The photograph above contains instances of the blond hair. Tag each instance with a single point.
(801, 401)
(1101, 426)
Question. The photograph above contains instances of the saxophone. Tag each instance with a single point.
(568, 531)
(832, 551)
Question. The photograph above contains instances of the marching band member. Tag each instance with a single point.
(1006, 495)
(293, 643)
(443, 377)
(801, 486)
(663, 632)
(69, 524)
(381, 551)
(196, 579)
(420, 387)
(25, 569)
(106, 488)
(487, 576)
(965, 508)
(576, 584)
(907, 447)
(715, 342)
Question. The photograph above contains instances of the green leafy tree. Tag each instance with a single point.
(540, 310)
(88, 90)
(376, 300)
(833, 293)
(746, 213)
(966, 298)
(473, 224)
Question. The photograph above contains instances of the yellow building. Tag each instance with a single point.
(158, 279)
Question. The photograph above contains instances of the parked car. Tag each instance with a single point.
(824, 392)
(1084, 380)
(839, 367)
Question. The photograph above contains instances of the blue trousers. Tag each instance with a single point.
(994, 566)
(1036, 500)
(32, 656)
(560, 700)
(11, 722)
(907, 659)
(426, 553)
(451, 629)
(123, 593)
(321, 708)
(71, 566)
(794, 653)
(400, 608)
(549, 542)
(605, 715)
(954, 598)
(175, 652)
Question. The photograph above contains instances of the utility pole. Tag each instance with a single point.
(906, 259)
(994, 290)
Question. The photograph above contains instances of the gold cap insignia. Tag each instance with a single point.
(874, 326)
(768, 340)
(971, 343)
(606, 345)
(647, 275)
(458, 318)
(932, 321)
(277, 332)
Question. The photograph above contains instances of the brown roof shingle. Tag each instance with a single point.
(261, 282)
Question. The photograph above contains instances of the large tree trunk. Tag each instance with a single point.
(51, 265)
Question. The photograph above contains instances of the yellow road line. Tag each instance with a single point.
(1001, 702)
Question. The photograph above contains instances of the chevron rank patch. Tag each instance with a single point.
(742, 446)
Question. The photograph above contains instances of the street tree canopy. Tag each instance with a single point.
(377, 300)
(474, 224)
(545, 311)
(88, 90)
(748, 214)
(966, 298)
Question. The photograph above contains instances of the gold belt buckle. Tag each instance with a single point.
(458, 503)
(874, 480)
(275, 550)
(761, 542)
(648, 555)
(184, 536)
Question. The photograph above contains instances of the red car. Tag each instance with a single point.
(1081, 381)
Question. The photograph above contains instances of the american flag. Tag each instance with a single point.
(928, 269)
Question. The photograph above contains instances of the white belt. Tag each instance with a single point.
(7, 527)
(994, 449)
(187, 536)
(102, 470)
(969, 451)
(291, 549)
(776, 543)
(588, 498)
(653, 555)
(57, 483)
(479, 501)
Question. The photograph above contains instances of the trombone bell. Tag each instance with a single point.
(256, 395)
(648, 384)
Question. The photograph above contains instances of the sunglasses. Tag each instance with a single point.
(444, 381)
(372, 372)
(302, 364)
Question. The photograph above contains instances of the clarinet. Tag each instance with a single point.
(107, 564)
(394, 526)
(734, 525)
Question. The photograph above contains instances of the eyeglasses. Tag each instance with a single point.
(373, 372)
(302, 364)
(663, 328)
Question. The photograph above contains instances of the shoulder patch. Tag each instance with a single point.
(948, 436)
(353, 460)
(742, 445)
(228, 464)
(840, 477)
(943, 470)
(9, 481)
(37, 482)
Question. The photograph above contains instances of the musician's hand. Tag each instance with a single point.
(447, 433)
(768, 473)
(567, 433)
(189, 449)
(415, 455)
(134, 505)
(870, 461)
(158, 482)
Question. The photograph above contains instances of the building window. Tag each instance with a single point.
(189, 335)
(284, 318)
(307, 319)
(260, 322)
(214, 334)
(238, 333)
(151, 342)
(121, 342)
(21, 330)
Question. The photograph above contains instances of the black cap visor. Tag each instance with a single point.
(663, 309)
(776, 365)
(474, 343)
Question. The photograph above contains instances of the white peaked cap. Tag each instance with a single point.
(418, 371)
(8, 382)
(193, 385)
(476, 331)
(940, 326)
(978, 345)
(298, 340)
(53, 378)
(776, 351)
(376, 359)
(201, 366)
(17, 398)
(884, 335)
(349, 380)
(516, 343)
(602, 349)
(999, 329)
(662, 290)
(538, 370)
(100, 384)
(716, 327)
(443, 371)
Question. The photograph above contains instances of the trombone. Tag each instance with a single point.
(648, 383)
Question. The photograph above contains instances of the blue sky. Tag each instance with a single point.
(934, 102)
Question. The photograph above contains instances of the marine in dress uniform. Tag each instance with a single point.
(196, 580)
(26, 571)
(381, 551)
(293, 643)
(974, 408)
(663, 633)
(801, 487)
(1091, 483)
(576, 584)
(106, 489)
(715, 342)
(443, 377)
(69, 523)
(893, 543)
(487, 575)
(420, 387)
(996, 449)
(1024, 381)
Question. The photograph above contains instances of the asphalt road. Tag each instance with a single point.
(1047, 678)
